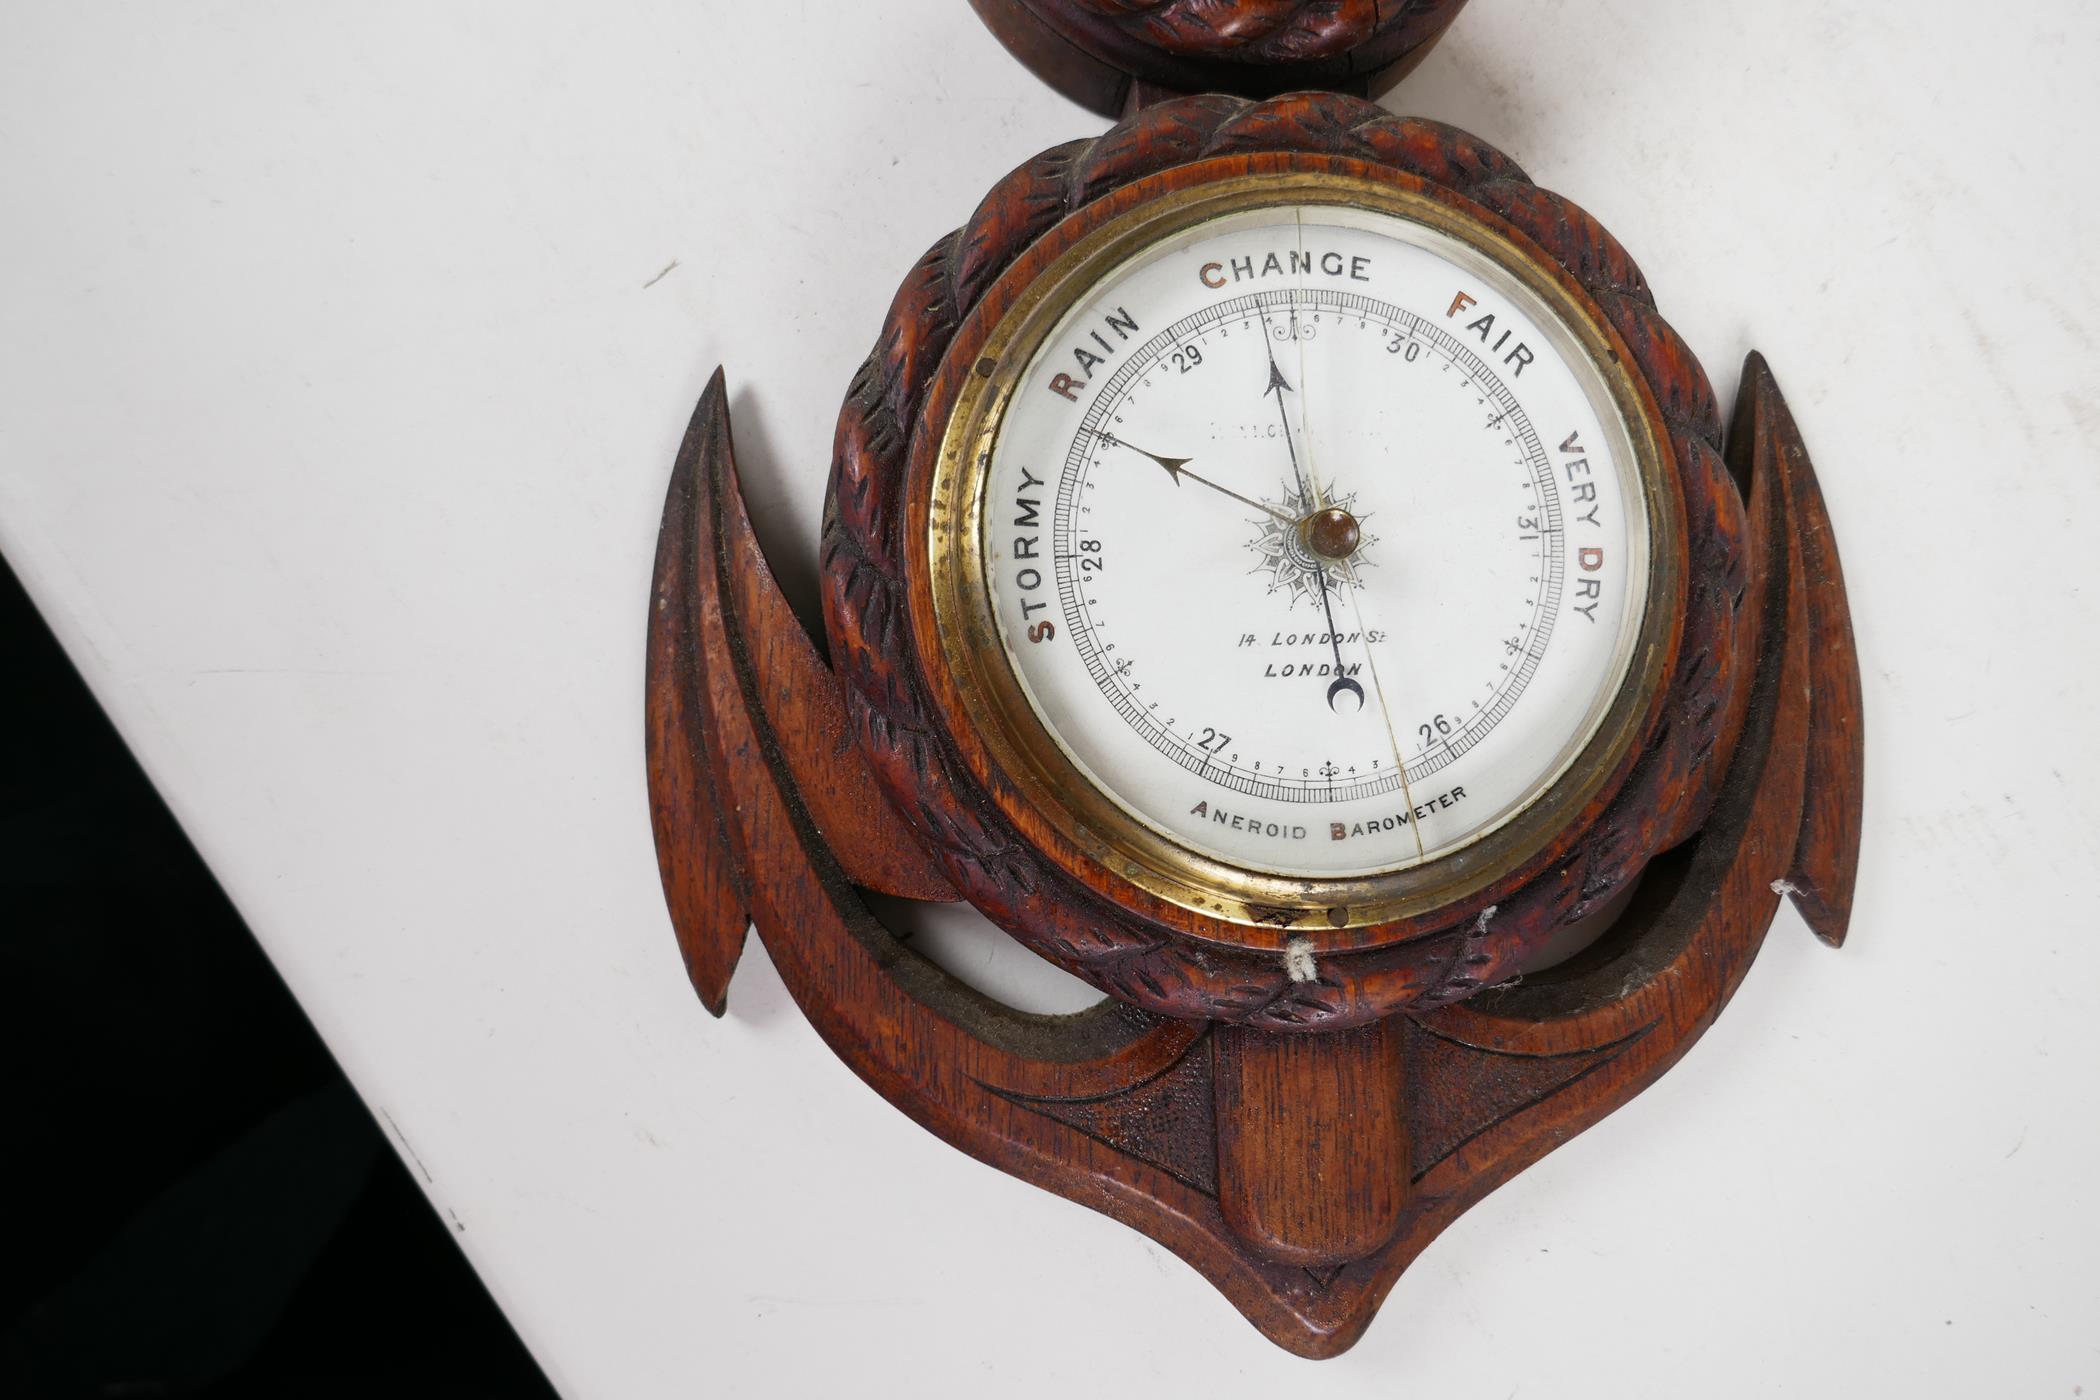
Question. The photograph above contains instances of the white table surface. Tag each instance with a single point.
(340, 374)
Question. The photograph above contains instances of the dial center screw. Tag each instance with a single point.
(1332, 533)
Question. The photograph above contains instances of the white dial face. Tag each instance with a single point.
(1315, 541)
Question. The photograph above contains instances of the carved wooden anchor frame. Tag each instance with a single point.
(1299, 1161)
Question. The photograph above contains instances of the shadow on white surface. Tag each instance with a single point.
(768, 480)
(971, 948)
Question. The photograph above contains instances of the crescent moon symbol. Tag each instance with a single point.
(1341, 684)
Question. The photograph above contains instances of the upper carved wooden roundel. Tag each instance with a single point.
(1023, 875)
(1091, 50)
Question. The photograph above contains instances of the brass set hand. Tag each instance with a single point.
(1344, 534)
(1332, 536)
(1344, 683)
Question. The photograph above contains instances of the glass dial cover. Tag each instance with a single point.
(1315, 541)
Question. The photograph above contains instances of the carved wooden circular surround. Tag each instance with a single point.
(1171, 960)
(1094, 51)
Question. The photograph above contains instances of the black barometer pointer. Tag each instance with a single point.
(1343, 682)
(1178, 467)
(1277, 384)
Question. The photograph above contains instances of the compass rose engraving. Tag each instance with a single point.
(1283, 547)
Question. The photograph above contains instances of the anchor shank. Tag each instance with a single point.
(1313, 1159)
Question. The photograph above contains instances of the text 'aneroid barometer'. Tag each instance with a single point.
(1279, 567)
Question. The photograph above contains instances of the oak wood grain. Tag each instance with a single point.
(1313, 1153)
(1826, 856)
(1102, 53)
(704, 879)
(1300, 1174)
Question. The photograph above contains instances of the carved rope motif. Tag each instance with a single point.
(1664, 798)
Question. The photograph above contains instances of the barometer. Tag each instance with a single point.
(1309, 544)
(1280, 567)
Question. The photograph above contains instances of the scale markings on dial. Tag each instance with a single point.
(1294, 567)
(1284, 554)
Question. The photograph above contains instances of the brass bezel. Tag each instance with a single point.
(1036, 766)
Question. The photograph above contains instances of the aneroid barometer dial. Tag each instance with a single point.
(1314, 539)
